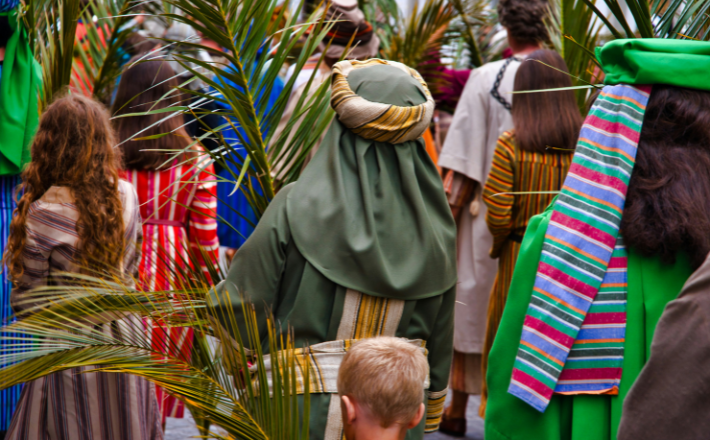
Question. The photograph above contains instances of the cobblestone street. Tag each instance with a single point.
(184, 429)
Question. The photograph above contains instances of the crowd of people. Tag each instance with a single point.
(553, 264)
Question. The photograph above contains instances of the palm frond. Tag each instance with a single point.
(243, 89)
(222, 381)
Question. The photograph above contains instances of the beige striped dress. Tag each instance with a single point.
(67, 405)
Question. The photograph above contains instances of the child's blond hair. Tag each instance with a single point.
(387, 376)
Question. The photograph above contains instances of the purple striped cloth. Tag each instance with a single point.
(573, 335)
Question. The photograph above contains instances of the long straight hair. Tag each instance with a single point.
(545, 122)
(144, 86)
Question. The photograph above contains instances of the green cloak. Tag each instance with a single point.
(19, 85)
(366, 216)
(651, 285)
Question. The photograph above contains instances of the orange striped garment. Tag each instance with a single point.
(514, 170)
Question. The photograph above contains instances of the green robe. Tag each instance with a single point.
(270, 269)
(651, 285)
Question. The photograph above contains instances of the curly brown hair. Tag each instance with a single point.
(525, 19)
(73, 148)
(668, 202)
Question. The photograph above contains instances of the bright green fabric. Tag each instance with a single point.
(682, 63)
(373, 216)
(271, 271)
(651, 286)
(19, 115)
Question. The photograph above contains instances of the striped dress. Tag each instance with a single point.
(178, 209)
(68, 405)
(514, 170)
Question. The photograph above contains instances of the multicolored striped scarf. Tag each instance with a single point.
(573, 334)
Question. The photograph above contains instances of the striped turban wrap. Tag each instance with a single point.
(374, 120)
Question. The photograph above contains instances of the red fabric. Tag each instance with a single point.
(171, 198)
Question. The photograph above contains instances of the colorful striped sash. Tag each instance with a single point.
(573, 335)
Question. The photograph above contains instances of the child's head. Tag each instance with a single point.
(381, 380)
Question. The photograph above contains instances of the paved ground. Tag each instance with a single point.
(184, 429)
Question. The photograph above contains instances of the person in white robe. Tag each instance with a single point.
(482, 115)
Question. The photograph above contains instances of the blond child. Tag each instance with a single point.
(381, 386)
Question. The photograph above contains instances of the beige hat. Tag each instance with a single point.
(348, 20)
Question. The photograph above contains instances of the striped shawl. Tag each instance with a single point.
(573, 334)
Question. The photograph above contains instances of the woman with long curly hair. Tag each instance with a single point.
(75, 215)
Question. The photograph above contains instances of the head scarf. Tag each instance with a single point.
(369, 212)
(19, 83)
(349, 23)
(582, 274)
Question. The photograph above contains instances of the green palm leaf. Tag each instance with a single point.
(222, 381)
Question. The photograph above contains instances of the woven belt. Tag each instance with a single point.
(323, 362)
(161, 222)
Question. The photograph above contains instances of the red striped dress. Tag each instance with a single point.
(178, 206)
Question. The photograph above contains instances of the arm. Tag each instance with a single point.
(500, 207)
(255, 274)
(202, 222)
(670, 397)
(441, 348)
(460, 191)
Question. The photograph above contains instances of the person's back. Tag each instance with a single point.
(361, 246)
(625, 233)
(529, 165)
(75, 215)
(482, 114)
(176, 193)
(381, 385)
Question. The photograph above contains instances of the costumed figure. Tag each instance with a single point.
(596, 270)
(348, 24)
(20, 80)
(177, 198)
(482, 115)
(77, 216)
(362, 245)
(529, 164)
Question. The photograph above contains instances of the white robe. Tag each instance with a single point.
(478, 122)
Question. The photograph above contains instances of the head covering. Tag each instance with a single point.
(19, 83)
(372, 215)
(582, 274)
(349, 20)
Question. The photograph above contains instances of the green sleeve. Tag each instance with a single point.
(255, 274)
(440, 347)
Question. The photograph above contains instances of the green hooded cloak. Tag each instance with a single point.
(367, 216)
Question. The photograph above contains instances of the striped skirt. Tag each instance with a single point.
(75, 405)
(496, 305)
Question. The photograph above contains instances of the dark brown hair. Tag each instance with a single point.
(545, 122)
(144, 86)
(668, 202)
(525, 19)
(73, 148)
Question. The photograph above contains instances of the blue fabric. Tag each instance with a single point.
(227, 204)
(7, 5)
(10, 396)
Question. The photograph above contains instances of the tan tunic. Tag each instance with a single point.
(68, 405)
(478, 122)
